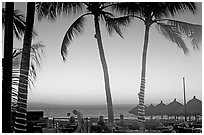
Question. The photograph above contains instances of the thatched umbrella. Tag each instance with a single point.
(193, 107)
(172, 108)
(135, 110)
(161, 109)
(150, 110)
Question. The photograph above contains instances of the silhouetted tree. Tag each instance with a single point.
(36, 53)
(158, 13)
(20, 118)
(7, 69)
(97, 9)
(18, 23)
(35, 62)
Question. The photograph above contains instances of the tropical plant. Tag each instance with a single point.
(35, 62)
(159, 13)
(18, 23)
(97, 9)
(36, 52)
(21, 111)
(35, 58)
(7, 68)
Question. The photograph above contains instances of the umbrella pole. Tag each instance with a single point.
(184, 98)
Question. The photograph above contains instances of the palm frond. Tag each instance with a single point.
(47, 10)
(176, 7)
(36, 50)
(36, 54)
(127, 8)
(156, 9)
(50, 10)
(170, 9)
(104, 15)
(76, 28)
(19, 23)
(170, 33)
(114, 24)
(42, 9)
(192, 31)
(68, 8)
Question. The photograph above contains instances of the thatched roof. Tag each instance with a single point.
(135, 110)
(193, 107)
(150, 110)
(173, 107)
(161, 109)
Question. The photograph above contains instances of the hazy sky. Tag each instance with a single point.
(80, 79)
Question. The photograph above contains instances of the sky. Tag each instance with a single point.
(80, 79)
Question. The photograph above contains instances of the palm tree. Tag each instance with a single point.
(7, 69)
(35, 62)
(20, 118)
(159, 13)
(97, 9)
(35, 57)
(18, 23)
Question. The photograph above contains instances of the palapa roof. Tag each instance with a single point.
(173, 107)
(193, 106)
(161, 109)
(135, 110)
(150, 110)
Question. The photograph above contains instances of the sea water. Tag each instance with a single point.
(86, 110)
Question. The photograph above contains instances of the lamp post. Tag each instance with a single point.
(184, 97)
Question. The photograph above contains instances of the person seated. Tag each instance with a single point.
(72, 124)
(186, 125)
(121, 124)
(102, 125)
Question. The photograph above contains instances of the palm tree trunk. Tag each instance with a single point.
(105, 70)
(141, 109)
(20, 119)
(7, 69)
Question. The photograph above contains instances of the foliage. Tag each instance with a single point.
(36, 55)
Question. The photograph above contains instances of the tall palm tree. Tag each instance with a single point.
(7, 69)
(18, 23)
(97, 9)
(35, 62)
(159, 13)
(21, 112)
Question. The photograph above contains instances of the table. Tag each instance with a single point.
(65, 130)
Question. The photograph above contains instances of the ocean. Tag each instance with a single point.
(60, 111)
(86, 110)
